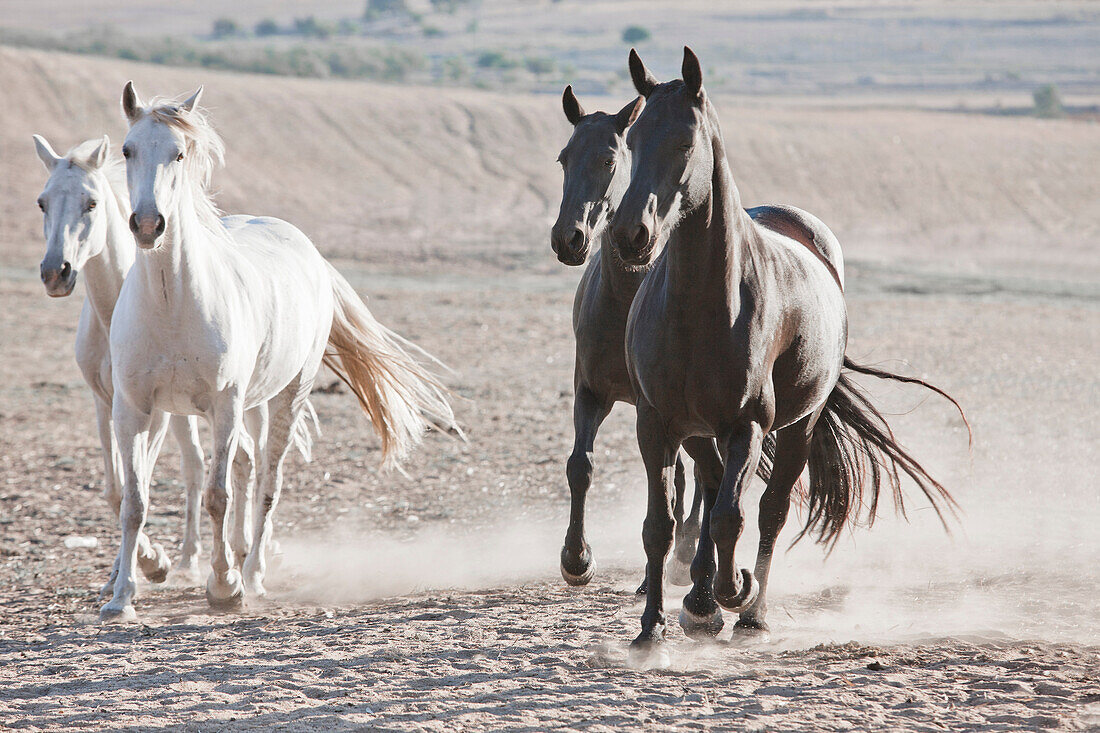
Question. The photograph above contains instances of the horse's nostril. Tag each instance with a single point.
(133, 223)
(577, 241)
(641, 238)
(66, 269)
(160, 225)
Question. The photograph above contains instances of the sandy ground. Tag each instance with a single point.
(432, 602)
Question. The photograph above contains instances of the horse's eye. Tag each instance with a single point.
(42, 205)
(179, 157)
(126, 152)
(91, 205)
(609, 163)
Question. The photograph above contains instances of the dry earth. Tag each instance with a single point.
(431, 601)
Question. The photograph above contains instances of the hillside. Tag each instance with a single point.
(450, 179)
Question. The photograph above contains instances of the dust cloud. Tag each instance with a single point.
(1020, 562)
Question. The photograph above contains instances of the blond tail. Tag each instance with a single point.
(400, 396)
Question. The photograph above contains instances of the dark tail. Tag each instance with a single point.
(852, 450)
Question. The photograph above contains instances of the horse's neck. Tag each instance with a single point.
(620, 282)
(172, 273)
(104, 273)
(711, 245)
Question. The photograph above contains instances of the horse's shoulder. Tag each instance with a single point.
(805, 229)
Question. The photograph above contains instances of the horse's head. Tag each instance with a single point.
(597, 169)
(74, 223)
(672, 156)
(170, 151)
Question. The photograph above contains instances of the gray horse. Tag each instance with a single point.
(737, 331)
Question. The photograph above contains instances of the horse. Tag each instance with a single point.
(222, 315)
(596, 167)
(85, 209)
(738, 331)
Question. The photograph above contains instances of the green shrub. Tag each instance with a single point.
(635, 34)
(1048, 102)
(496, 60)
(224, 27)
(266, 27)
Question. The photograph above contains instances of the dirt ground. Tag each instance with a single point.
(433, 602)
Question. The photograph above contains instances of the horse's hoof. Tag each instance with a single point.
(678, 573)
(739, 602)
(701, 628)
(751, 627)
(582, 578)
(230, 597)
(648, 651)
(113, 613)
(156, 569)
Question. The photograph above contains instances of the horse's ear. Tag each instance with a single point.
(98, 157)
(572, 106)
(644, 81)
(626, 116)
(49, 158)
(131, 104)
(692, 73)
(189, 104)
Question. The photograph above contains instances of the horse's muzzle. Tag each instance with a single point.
(147, 229)
(59, 281)
(571, 246)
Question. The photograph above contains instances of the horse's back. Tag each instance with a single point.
(806, 229)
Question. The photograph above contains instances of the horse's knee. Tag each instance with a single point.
(216, 500)
(657, 533)
(726, 523)
(132, 511)
(579, 471)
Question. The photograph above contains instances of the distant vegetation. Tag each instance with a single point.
(1048, 102)
(635, 34)
(453, 42)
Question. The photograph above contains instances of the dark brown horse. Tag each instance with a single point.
(596, 165)
(738, 331)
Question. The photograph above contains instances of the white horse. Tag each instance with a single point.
(223, 314)
(86, 209)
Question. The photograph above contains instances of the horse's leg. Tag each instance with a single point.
(687, 530)
(659, 456)
(792, 449)
(679, 571)
(139, 438)
(256, 420)
(244, 460)
(281, 418)
(734, 591)
(186, 431)
(700, 616)
(224, 588)
(112, 477)
(577, 566)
